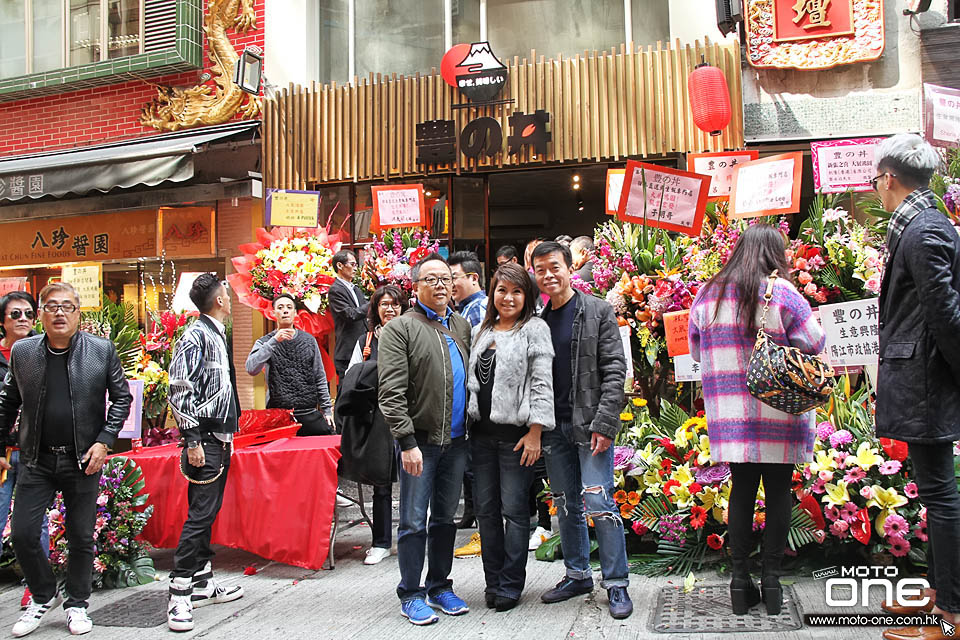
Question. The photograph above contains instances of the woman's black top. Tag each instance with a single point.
(484, 428)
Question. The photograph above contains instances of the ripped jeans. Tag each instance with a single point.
(579, 479)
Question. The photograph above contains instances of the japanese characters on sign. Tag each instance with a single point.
(474, 70)
(853, 333)
(14, 187)
(767, 187)
(842, 165)
(87, 279)
(686, 369)
(806, 19)
(941, 115)
(289, 208)
(614, 189)
(676, 324)
(398, 205)
(675, 200)
(719, 166)
(483, 136)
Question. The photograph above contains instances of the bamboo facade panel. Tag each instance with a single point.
(604, 107)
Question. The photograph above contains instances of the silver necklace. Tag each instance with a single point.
(485, 368)
(58, 353)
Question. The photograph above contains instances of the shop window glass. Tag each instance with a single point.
(468, 216)
(334, 49)
(335, 209)
(13, 40)
(514, 27)
(651, 22)
(398, 36)
(436, 202)
(123, 27)
(84, 31)
(47, 35)
(466, 21)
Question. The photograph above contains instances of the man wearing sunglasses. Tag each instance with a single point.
(61, 379)
(18, 312)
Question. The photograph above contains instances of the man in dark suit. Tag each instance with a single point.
(349, 308)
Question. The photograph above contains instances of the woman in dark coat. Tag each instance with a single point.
(368, 454)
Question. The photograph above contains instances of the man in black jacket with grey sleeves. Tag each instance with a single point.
(918, 387)
(349, 308)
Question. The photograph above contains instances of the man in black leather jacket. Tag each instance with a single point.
(61, 379)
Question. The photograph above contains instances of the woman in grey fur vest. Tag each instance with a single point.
(511, 361)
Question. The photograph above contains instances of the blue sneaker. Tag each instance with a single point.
(417, 612)
(448, 602)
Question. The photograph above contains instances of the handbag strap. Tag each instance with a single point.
(767, 297)
(442, 329)
(366, 347)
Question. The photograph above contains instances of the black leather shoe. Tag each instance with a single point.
(620, 604)
(491, 599)
(743, 595)
(568, 588)
(505, 604)
(772, 594)
(468, 521)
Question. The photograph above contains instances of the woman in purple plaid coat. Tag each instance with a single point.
(757, 440)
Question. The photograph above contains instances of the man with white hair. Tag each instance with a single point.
(918, 389)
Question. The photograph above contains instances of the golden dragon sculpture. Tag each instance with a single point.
(203, 104)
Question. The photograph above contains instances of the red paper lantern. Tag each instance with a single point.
(709, 98)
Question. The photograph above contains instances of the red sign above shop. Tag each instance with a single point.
(662, 197)
(806, 19)
(474, 70)
(813, 34)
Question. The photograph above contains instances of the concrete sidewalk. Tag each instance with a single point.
(357, 601)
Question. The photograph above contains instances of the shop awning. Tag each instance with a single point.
(150, 161)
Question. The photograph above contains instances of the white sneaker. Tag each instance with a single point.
(375, 555)
(214, 592)
(540, 535)
(345, 502)
(179, 607)
(30, 619)
(78, 621)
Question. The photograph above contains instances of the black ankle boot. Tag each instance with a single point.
(743, 594)
(772, 594)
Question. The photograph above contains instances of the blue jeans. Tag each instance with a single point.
(438, 488)
(6, 497)
(501, 492)
(578, 479)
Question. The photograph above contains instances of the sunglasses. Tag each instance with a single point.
(16, 313)
(875, 179)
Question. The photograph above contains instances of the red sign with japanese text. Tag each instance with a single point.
(676, 324)
(662, 197)
(719, 166)
(767, 187)
(398, 205)
(806, 19)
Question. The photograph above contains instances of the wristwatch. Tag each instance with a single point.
(193, 445)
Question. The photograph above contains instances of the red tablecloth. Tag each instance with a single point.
(278, 502)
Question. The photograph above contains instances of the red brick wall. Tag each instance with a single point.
(93, 116)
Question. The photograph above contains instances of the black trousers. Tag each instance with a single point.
(36, 488)
(193, 550)
(743, 496)
(937, 485)
(382, 516)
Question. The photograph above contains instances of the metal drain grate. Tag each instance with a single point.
(142, 610)
(707, 609)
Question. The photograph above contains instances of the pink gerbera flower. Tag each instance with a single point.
(817, 486)
(832, 513)
(890, 467)
(910, 490)
(921, 532)
(854, 475)
(899, 547)
(896, 525)
(849, 512)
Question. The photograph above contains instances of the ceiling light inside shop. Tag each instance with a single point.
(576, 178)
(427, 194)
(576, 185)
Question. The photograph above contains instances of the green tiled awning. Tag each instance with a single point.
(151, 161)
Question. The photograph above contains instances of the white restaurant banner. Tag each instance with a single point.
(853, 332)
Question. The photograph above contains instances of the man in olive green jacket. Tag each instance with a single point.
(421, 363)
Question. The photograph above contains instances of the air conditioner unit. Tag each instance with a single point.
(729, 13)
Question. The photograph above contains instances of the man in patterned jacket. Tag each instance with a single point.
(203, 398)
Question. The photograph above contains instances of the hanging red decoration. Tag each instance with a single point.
(709, 99)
